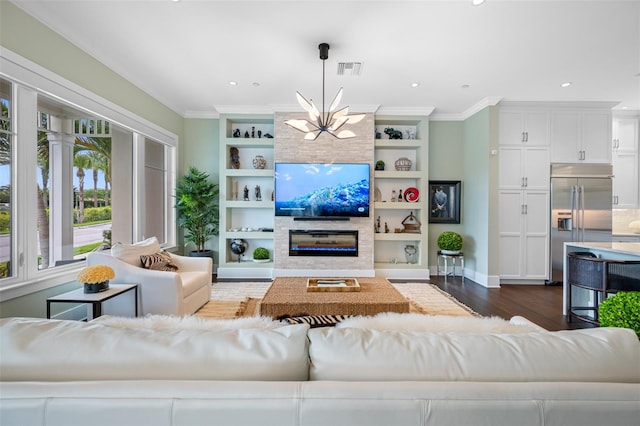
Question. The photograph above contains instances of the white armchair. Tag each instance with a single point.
(160, 292)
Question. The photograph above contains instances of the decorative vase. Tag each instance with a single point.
(259, 162)
(403, 164)
(96, 287)
(411, 253)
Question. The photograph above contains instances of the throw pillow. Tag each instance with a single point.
(160, 261)
(315, 321)
(131, 253)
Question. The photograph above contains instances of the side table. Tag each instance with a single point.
(95, 299)
(454, 257)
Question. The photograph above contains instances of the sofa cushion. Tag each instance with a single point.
(436, 323)
(160, 261)
(591, 355)
(131, 253)
(50, 350)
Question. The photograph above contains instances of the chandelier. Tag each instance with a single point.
(330, 122)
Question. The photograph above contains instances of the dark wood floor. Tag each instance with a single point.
(538, 303)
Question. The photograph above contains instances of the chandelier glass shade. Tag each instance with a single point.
(330, 121)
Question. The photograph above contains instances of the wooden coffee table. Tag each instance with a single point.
(289, 296)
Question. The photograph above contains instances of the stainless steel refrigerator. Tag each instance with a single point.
(580, 208)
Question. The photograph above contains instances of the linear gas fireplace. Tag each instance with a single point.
(323, 243)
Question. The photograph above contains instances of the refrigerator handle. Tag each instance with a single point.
(574, 218)
(582, 207)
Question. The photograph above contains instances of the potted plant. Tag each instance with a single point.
(450, 242)
(197, 209)
(261, 254)
(379, 165)
(621, 310)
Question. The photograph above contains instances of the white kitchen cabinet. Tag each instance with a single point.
(524, 235)
(523, 126)
(625, 160)
(579, 136)
(625, 180)
(524, 168)
(625, 134)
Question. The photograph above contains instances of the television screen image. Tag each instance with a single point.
(322, 190)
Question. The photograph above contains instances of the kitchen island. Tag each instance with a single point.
(613, 250)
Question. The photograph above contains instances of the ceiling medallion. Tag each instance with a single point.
(333, 120)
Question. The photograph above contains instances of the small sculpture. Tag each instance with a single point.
(393, 196)
(268, 136)
(400, 196)
(236, 133)
(246, 193)
(378, 225)
(235, 157)
(403, 164)
(386, 228)
(411, 134)
(259, 134)
(246, 133)
(253, 131)
(258, 193)
(393, 133)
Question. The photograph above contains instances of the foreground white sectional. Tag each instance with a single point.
(72, 373)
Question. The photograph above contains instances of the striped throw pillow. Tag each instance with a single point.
(160, 261)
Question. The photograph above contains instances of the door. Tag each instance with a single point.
(596, 199)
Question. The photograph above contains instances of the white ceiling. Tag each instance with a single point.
(185, 53)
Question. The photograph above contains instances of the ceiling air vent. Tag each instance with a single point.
(349, 68)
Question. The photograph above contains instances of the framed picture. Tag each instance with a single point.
(444, 199)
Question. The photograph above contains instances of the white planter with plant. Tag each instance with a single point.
(450, 242)
(261, 254)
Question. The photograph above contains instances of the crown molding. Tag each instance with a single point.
(414, 111)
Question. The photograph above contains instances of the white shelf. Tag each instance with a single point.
(233, 204)
(267, 173)
(247, 235)
(395, 174)
(398, 143)
(398, 236)
(380, 205)
(249, 142)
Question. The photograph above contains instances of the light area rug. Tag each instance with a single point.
(242, 299)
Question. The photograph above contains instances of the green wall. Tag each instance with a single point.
(26, 36)
(445, 163)
(480, 205)
(201, 150)
(29, 38)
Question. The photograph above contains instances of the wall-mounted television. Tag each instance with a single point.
(322, 190)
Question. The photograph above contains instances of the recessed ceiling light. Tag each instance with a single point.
(465, 86)
(567, 84)
(233, 83)
(255, 84)
(477, 2)
(415, 84)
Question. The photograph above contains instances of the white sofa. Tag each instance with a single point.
(73, 373)
(159, 292)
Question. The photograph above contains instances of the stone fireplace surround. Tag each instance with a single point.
(291, 147)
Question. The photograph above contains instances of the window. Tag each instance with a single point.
(75, 172)
(6, 138)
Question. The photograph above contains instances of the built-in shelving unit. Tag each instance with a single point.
(244, 219)
(389, 252)
(240, 218)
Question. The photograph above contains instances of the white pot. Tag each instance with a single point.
(450, 251)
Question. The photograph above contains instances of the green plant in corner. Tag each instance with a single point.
(450, 241)
(261, 253)
(621, 310)
(197, 207)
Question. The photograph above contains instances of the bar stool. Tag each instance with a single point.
(454, 257)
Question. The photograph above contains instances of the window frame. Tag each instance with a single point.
(28, 80)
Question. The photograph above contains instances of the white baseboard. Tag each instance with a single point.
(323, 273)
